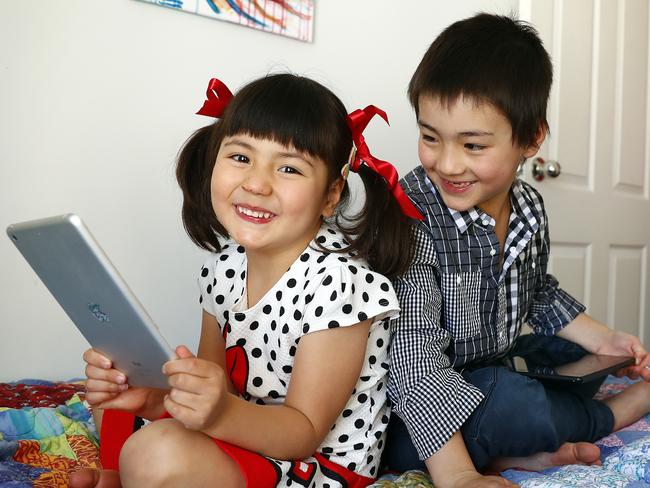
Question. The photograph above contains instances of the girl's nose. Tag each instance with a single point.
(257, 183)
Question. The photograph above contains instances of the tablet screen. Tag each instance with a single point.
(587, 368)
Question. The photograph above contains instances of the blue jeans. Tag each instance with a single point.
(519, 416)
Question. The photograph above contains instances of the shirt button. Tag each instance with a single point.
(533, 265)
(493, 252)
(485, 222)
(459, 280)
(513, 250)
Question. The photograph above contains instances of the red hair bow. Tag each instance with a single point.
(358, 121)
(218, 96)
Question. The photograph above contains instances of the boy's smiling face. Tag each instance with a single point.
(467, 151)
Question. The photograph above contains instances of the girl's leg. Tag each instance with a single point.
(630, 405)
(167, 454)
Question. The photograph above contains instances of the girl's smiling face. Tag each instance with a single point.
(270, 197)
(467, 151)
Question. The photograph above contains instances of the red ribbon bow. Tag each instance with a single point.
(218, 96)
(358, 121)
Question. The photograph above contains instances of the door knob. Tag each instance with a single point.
(542, 169)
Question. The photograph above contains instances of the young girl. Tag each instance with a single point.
(288, 388)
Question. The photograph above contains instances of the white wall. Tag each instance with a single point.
(97, 96)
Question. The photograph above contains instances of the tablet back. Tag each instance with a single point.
(71, 264)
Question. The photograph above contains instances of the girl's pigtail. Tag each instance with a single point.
(382, 230)
(193, 173)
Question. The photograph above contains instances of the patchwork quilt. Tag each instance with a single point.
(47, 432)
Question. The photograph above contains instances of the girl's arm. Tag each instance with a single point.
(325, 371)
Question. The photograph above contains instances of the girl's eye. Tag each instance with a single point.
(240, 158)
(474, 147)
(289, 170)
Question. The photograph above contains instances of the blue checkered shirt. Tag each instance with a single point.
(461, 308)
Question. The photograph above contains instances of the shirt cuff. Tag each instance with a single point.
(552, 317)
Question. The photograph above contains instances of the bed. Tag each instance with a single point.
(47, 432)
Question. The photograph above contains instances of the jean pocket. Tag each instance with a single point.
(461, 294)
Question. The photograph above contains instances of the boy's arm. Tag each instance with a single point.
(431, 397)
(597, 338)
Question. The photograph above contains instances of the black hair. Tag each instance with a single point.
(494, 59)
(295, 111)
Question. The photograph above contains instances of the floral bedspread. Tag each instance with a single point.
(46, 432)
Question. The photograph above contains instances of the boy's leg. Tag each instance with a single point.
(400, 454)
(520, 417)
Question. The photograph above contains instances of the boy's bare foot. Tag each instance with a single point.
(95, 478)
(569, 453)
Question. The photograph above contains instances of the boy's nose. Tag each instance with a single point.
(449, 163)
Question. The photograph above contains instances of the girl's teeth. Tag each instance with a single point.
(255, 214)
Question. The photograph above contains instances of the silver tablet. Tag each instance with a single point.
(72, 265)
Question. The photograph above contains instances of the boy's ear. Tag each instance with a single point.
(333, 197)
(532, 149)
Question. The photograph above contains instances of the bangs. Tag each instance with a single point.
(292, 111)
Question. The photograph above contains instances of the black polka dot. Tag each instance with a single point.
(364, 378)
(365, 297)
(201, 299)
(372, 470)
(304, 257)
(331, 231)
(343, 438)
(384, 419)
(278, 295)
(266, 339)
(230, 273)
(352, 466)
(327, 280)
(318, 311)
(384, 286)
(362, 316)
(353, 269)
(359, 423)
(347, 308)
(269, 367)
(242, 275)
(342, 259)
(240, 316)
(285, 329)
(321, 270)
(321, 258)
(309, 298)
(259, 401)
(383, 302)
(274, 394)
(380, 445)
(292, 350)
(372, 359)
(362, 398)
(347, 412)
(370, 278)
(267, 309)
(209, 289)
(257, 352)
(358, 446)
(380, 342)
(287, 369)
(223, 257)
(295, 299)
(257, 381)
(333, 324)
(333, 296)
(291, 283)
(297, 315)
(219, 299)
(274, 325)
(240, 249)
(204, 272)
(321, 239)
(241, 342)
(281, 311)
(327, 450)
(305, 329)
(254, 325)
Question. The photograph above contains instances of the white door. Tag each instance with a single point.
(599, 205)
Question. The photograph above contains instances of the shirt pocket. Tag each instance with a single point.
(461, 294)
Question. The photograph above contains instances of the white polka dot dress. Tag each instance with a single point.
(320, 290)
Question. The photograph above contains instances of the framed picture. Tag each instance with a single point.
(290, 18)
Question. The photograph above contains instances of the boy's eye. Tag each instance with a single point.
(240, 158)
(473, 147)
(289, 170)
(428, 138)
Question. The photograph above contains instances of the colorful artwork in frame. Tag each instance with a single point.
(290, 18)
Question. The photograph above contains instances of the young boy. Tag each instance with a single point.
(480, 96)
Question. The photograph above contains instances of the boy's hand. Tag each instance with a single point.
(624, 344)
(107, 387)
(199, 390)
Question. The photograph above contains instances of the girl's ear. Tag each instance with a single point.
(531, 150)
(333, 196)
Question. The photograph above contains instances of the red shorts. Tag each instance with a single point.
(257, 470)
